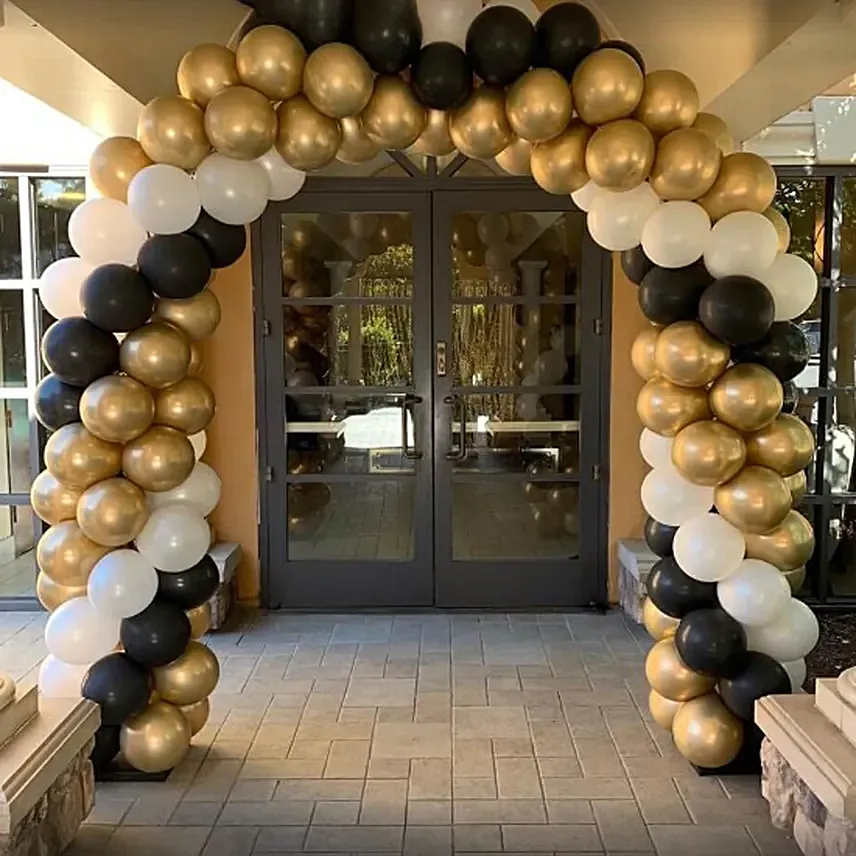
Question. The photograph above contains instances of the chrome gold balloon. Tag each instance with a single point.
(796, 579)
(271, 59)
(657, 623)
(755, 500)
(662, 709)
(686, 165)
(480, 128)
(357, 146)
(77, 458)
(665, 408)
(241, 123)
(717, 130)
(337, 81)
(559, 166)
(708, 453)
(113, 165)
(155, 740)
(187, 405)
(670, 677)
(607, 85)
(52, 595)
(783, 229)
(436, 140)
(687, 355)
(160, 459)
(53, 501)
(669, 101)
(747, 397)
(112, 512)
(798, 486)
(156, 354)
(200, 620)
(788, 546)
(171, 130)
(307, 139)
(206, 71)
(66, 555)
(707, 733)
(619, 156)
(786, 445)
(190, 678)
(197, 715)
(197, 317)
(539, 105)
(197, 361)
(516, 158)
(746, 182)
(643, 351)
(393, 116)
(116, 408)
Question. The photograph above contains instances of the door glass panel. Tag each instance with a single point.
(56, 199)
(17, 551)
(10, 230)
(13, 367)
(801, 202)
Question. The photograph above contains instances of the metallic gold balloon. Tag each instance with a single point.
(796, 579)
(559, 166)
(516, 158)
(788, 546)
(114, 163)
(480, 128)
(755, 500)
(155, 740)
(307, 139)
(337, 80)
(116, 408)
(717, 130)
(642, 353)
(670, 677)
(197, 715)
(206, 71)
(798, 487)
(241, 123)
(746, 182)
(200, 620)
(66, 555)
(187, 405)
(155, 354)
(77, 458)
(669, 101)
(662, 709)
(197, 361)
(52, 595)
(394, 116)
(747, 397)
(112, 512)
(271, 59)
(607, 85)
(706, 732)
(686, 354)
(708, 453)
(657, 623)
(665, 408)
(539, 105)
(171, 130)
(160, 459)
(783, 228)
(357, 146)
(190, 678)
(436, 140)
(686, 165)
(198, 316)
(53, 501)
(620, 155)
(786, 445)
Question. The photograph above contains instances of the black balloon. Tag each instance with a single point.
(636, 265)
(224, 244)
(791, 397)
(619, 45)
(78, 352)
(785, 351)
(441, 76)
(175, 266)
(316, 22)
(106, 747)
(57, 403)
(388, 34)
(737, 309)
(760, 676)
(156, 636)
(677, 594)
(566, 34)
(191, 588)
(500, 44)
(712, 643)
(116, 298)
(119, 685)
(669, 295)
(659, 537)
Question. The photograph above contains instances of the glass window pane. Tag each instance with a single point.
(380, 166)
(15, 465)
(840, 441)
(17, 554)
(55, 199)
(848, 229)
(842, 549)
(10, 230)
(801, 200)
(13, 367)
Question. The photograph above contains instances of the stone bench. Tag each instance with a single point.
(635, 561)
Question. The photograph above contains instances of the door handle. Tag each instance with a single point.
(407, 407)
(459, 408)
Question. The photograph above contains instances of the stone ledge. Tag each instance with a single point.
(15, 716)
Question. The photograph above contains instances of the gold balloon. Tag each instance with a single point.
(66, 555)
(171, 130)
(657, 623)
(197, 316)
(197, 361)
(357, 146)
(116, 408)
(662, 709)
(480, 128)
(670, 677)
(112, 512)
(307, 139)
(77, 458)
(200, 620)
(155, 354)
(669, 101)
(155, 740)
(642, 353)
(798, 487)
(53, 501)
(796, 579)
(686, 354)
(436, 140)
(394, 116)
(271, 60)
(52, 595)
(196, 715)
(160, 459)
(717, 130)
(786, 445)
(686, 165)
(665, 408)
(755, 500)
(206, 71)
(337, 80)
(114, 163)
(620, 155)
(241, 123)
(746, 182)
(559, 166)
(708, 453)
(783, 229)
(706, 732)
(187, 405)
(747, 397)
(788, 546)
(607, 85)
(515, 158)
(539, 105)
(190, 678)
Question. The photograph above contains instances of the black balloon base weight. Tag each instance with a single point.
(119, 771)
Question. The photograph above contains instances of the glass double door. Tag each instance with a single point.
(431, 429)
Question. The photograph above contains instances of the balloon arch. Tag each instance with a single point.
(124, 565)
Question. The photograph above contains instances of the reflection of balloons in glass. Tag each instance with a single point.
(550, 368)
(122, 584)
(78, 634)
(493, 229)
(59, 286)
(709, 548)
(104, 230)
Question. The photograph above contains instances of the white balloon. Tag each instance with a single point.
(174, 538)
(199, 491)
(527, 406)
(616, 220)
(793, 284)
(104, 230)
(755, 593)
(676, 234)
(447, 20)
(232, 191)
(200, 442)
(164, 199)
(744, 243)
(550, 368)
(708, 548)
(796, 672)
(586, 195)
(499, 257)
(789, 637)
(59, 286)
(123, 583)
(527, 7)
(668, 497)
(79, 634)
(493, 229)
(60, 680)
(285, 181)
(656, 450)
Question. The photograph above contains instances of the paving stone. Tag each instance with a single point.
(480, 722)
(499, 811)
(336, 813)
(517, 778)
(620, 825)
(384, 803)
(555, 837)
(706, 840)
(430, 779)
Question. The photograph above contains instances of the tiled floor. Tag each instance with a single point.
(423, 735)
